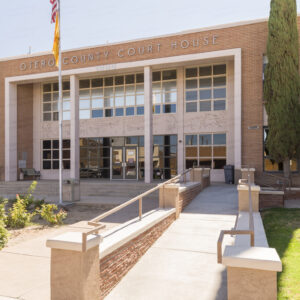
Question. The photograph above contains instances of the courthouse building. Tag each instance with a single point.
(140, 110)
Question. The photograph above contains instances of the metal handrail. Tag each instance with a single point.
(235, 231)
(287, 180)
(139, 198)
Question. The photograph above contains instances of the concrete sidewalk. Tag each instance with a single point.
(182, 264)
(25, 267)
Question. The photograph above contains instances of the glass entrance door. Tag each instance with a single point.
(124, 163)
(130, 163)
(117, 163)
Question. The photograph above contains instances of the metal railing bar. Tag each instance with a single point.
(231, 232)
(137, 198)
(250, 231)
(91, 231)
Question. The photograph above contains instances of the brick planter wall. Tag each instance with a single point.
(270, 201)
(288, 195)
(205, 182)
(115, 265)
(187, 196)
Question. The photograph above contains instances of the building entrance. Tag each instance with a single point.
(124, 163)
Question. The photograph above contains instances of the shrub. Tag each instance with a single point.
(28, 198)
(3, 216)
(18, 216)
(3, 219)
(37, 204)
(47, 212)
(3, 235)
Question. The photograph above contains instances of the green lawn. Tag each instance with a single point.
(282, 228)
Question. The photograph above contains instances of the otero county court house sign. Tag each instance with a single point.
(122, 52)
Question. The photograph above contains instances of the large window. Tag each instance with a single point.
(164, 156)
(205, 150)
(164, 89)
(205, 88)
(95, 157)
(272, 166)
(112, 96)
(51, 154)
(50, 101)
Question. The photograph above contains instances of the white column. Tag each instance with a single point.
(238, 110)
(148, 130)
(180, 120)
(11, 163)
(74, 129)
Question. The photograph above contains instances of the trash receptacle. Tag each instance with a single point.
(229, 174)
(71, 190)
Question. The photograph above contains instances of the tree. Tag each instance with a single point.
(282, 84)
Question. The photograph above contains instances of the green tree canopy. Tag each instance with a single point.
(282, 84)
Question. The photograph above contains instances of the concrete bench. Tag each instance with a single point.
(251, 271)
(30, 173)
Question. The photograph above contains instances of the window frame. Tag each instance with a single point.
(162, 94)
(212, 100)
(113, 96)
(52, 102)
(198, 145)
(51, 160)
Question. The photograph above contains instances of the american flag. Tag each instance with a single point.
(54, 10)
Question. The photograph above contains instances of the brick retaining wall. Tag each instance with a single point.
(187, 196)
(114, 266)
(205, 181)
(270, 201)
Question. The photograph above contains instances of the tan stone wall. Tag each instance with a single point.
(246, 283)
(115, 266)
(251, 38)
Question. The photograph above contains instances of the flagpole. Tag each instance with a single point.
(60, 103)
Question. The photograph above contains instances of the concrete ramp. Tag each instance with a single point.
(182, 264)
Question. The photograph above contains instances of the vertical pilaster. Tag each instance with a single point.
(180, 120)
(11, 163)
(238, 110)
(37, 119)
(148, 126)
(74, 130)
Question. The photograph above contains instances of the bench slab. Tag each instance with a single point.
(252, 258)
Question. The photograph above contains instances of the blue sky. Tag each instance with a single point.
(26, 24)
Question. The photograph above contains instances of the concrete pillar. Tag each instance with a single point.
(11, 125)
(75, 273)
(243, 191)
(251, 271)
(180, 120)
(74, 130)
(197, 175)
(148, 134)
(169, 197)
(238, 110)
(246, 283)
(245, 173)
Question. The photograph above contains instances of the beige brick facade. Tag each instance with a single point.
(250, 38)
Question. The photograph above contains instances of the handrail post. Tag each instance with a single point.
(251, 224)
(140, 208)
